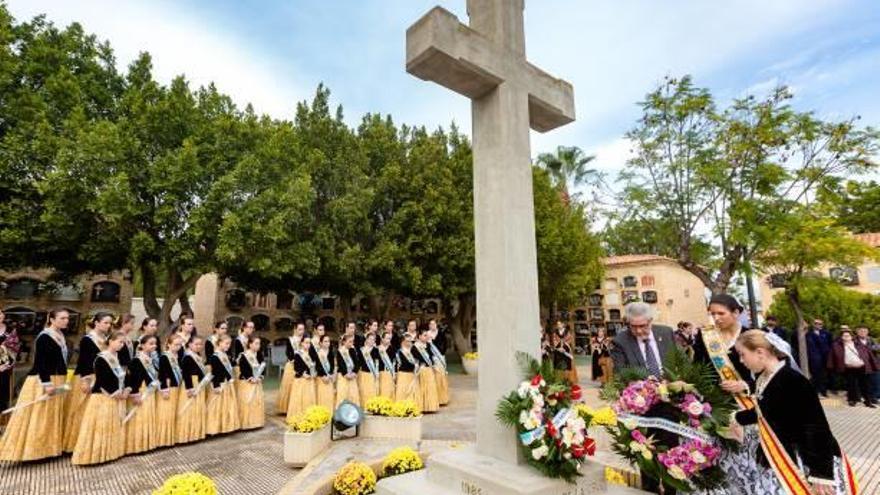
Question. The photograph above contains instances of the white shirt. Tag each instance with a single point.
(851, 356)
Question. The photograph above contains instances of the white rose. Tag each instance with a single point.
(523, 390)
(639, 401)
(524, 418)
(697, 457)
(695, 408)
(540, 452)
(676, 472)
(630, 424)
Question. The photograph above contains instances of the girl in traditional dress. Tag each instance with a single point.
(36, 431)
(368, 376)
(150, 326)
(347, 372)
(171, 379)
(291, 345)
(387, 368)
(302, 391)
(125, 324)
(427, 377)
(407, 387)
(222, 401)
(101, 436)
(317, 336)
(250, 387)
(600, 352)
(744, 475)
(439, 364)
(325, 384)
(143, 380)
(220, 329)
(186, 329)
(240, 343)
(796, 440)
(92, 343)
(191, 402)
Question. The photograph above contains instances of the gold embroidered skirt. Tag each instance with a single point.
(428, 390)
(251, 410)
(222, 410)
(283, 398)
(386, 384)
(35, 432)
(101, 435)
(302, 396)
(190, 421)
(347, 390)
(74, 408)
(140, 431)
(166, 418)
(442, 385)
(368, 386)
(407, 388)
(325, 393)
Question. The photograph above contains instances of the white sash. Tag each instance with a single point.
(370, 363)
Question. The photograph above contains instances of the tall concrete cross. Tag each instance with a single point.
(486, 62)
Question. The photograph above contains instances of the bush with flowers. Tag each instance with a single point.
(355, 478)
(383, 406)
(401, 460)
(187, 484)
(312, 419)
(552, 431)
(691, 410)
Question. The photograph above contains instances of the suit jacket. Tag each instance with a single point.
(626, 352)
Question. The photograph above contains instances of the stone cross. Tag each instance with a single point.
(486, 62)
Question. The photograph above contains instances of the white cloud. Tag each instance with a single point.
(179, 44)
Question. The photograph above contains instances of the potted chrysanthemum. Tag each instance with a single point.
(389, 419)
(470, 363)
(307, 435)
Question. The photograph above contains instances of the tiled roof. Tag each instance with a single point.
(872, 239)
(634, 258)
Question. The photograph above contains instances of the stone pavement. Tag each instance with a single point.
(251, 462)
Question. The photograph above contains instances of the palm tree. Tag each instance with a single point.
(569, 164)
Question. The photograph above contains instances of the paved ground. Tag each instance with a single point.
(251, 462)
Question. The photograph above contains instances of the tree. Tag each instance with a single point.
(805, 244)
(719, 177)
(836, 305)
(569, 166)
(857, 205)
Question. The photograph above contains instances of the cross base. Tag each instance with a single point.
(469, 473)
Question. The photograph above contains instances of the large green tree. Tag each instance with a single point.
(715, 177)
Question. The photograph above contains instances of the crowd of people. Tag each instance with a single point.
(363, 365)
(130, 394)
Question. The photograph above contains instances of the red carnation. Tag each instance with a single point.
(575, 392)
(536, 380)
(578, 451)
(551, 429)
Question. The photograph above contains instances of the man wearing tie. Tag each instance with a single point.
(646, 345)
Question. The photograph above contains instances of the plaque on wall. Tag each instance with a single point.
(845, 275)
(105, 292)
(630, 281)
(649, 296)
(630, 296)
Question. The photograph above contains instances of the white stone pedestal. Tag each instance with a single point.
(465, 472)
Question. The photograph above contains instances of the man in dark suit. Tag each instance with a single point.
(646, 345)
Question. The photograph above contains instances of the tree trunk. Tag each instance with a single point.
(800, 330)
(721, 281)
(461, 323)
(380, 304)
(345, 302)
(185, 307)
(151, 305)
(176, 288)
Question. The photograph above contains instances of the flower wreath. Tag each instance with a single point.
(552, 430)
(691, 410)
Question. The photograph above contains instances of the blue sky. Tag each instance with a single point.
(273, 53)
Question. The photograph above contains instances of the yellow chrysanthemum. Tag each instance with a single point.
(312, 419)
(614, 477)
(471, 355)
(187, 484)
(355, 478)
(401, 460)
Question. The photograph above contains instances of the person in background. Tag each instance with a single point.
(684, 335)
(150, 326)
(250, 387)
(325, 383)
(240, 343)
(9, 347)
(125, 324)
(220, 329)
(863, 338)
(186, 329)
(771, 324)
(819, 342)
(855, 363)
(600, 352)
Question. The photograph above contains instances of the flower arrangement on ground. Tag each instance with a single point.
(312, 419)
(401, 460)
(552, 430)
(383, 406)
(190, 483)
(355, 478)
(691, 410)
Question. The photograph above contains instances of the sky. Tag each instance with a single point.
(274, 53)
